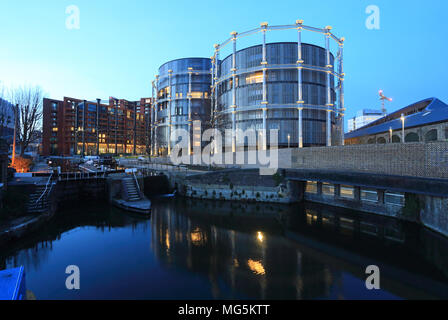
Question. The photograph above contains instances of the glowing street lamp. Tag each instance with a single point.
(289, 138)
(260, 236)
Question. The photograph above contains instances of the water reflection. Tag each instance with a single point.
(211, 249)
(249, 246)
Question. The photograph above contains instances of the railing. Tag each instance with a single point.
(49, 182)
(136, 181)
(66, 176)
(153, 166)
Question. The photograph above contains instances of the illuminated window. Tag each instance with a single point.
(254, 78)
(55, 129)
(196, 95)
(347, 192)
(311, 187)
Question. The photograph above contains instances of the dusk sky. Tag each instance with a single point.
(121, 44)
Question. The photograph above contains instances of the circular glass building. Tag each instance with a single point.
(288, 86)
(182, 96)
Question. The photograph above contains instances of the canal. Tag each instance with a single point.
(196, 249)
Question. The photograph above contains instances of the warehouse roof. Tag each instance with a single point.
(424, 112)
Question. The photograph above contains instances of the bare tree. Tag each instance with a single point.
(6, 111)
(28, 103)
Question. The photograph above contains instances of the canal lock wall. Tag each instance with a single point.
(428, 210)
(247, 185)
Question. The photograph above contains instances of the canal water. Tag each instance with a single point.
(196, 249)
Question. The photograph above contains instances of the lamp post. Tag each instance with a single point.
(289, 138)
(13, 156)
(390, 134)
(402, 127)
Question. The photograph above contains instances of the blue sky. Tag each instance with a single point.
(121, 44)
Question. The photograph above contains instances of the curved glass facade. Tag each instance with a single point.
(183, 96)
(281, 92)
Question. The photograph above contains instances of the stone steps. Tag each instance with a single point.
(131, 189)
(42, 205)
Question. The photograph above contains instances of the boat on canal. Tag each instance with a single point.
(12, 284)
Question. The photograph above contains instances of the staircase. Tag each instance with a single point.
(39, 202)
(133, 194)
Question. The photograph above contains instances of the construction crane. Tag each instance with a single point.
(383, 99)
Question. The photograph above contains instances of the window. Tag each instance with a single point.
(411, 137)
(196, 95)
(431, 135)
(256, 77)
(347, 192)
(381, 140)
(394, 198)
(311, 187)
(369, 195)
(327, 189)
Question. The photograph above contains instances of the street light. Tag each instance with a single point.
(390, 134)
(402, 126)
(289, 138)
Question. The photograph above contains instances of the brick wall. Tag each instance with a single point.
(407, 159)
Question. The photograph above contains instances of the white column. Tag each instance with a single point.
(156, 108)
(264, 26)
(300, 127)
(329, 68)
(300, 101)
(234, 37)
(190, 73)
(170, 74)
(264, 132)
(212, 89)
(341, 89)
(216, 76)
(264, 62)
(402, 127)
(328, 128)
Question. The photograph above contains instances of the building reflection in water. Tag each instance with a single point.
(248, 247)
(250, 261)
(255, 250)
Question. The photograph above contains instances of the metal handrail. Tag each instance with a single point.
(46, 187)
(136, 181)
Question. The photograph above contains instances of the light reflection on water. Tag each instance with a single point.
(193, 249)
